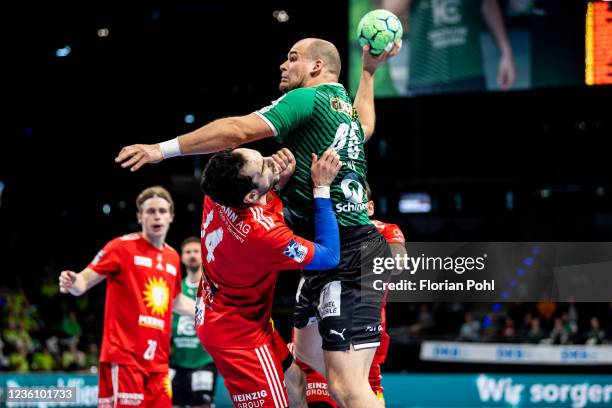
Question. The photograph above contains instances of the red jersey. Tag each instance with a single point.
(391, 232)
(142, 282)
(243, 249)
(393, 235)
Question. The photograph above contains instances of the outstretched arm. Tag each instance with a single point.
(78, 283)
(217, 135)
(183, 305)
(364, 99)
(327, 235)
(506, 73)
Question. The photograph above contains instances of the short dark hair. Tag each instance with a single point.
(222, 180)
(189, 241)
(368, 191)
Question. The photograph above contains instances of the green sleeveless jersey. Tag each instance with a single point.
(187, 352)
(444, 41)
(310, 120)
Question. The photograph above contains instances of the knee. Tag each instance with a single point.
(340, 390)
(295, 377)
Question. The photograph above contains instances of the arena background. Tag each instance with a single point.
(82, 80)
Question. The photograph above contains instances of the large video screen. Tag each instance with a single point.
(490, 45)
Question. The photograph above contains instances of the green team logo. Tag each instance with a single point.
(341, 106)
(446, 11)
(353, 193)
(185, 326)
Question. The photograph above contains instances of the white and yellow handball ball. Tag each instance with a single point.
(380, 29)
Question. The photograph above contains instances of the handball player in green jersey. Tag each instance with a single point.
(193, 372)
(445, 50)
(314, 114)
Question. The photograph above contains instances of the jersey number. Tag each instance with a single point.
(212, 239)
(347, 133)
(149, 353)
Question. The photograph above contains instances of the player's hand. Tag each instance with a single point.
(66, 281)
(371, 63)
(506, 73)
(136, 156)
(286, 161)
(325, 169)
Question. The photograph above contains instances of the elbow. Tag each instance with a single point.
(368, 131)
(333, 260)
(336, 258)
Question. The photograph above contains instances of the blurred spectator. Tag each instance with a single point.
(470, 330)
(92, 357)
(43, 360)
(570, 323)
(72, 358)
(508, 331)
(15, 335)
(18, 359)
(10, 333)
(596, 334)
(4, 361)
(535, 333)
(17, 301)
(52, 344)
(559, 333)
(489, 328)
(526, 326)
(572, 311)
(71, 327)
(49, 289)
(27, 319)
(425, 321)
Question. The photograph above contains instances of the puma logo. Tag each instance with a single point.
(332, 331)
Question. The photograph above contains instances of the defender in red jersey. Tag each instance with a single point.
(143, 275)
(395, 238)
(245, 243)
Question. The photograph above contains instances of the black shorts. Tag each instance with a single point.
(194, 386)
(342, 300)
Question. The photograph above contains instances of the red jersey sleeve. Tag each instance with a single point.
(393, 234)
(108, 259)
(178, 283)
(280, 249)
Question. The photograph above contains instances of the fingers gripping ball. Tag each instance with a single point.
(380, 29)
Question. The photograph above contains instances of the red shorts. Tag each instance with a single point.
(121, 385)
(255, 377)
(316, 386)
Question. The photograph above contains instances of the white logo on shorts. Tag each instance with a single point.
(332, 331)
(330, 300)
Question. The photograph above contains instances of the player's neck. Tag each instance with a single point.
(157, 242)
(263, 200)
(194, 276)
(321, 80)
